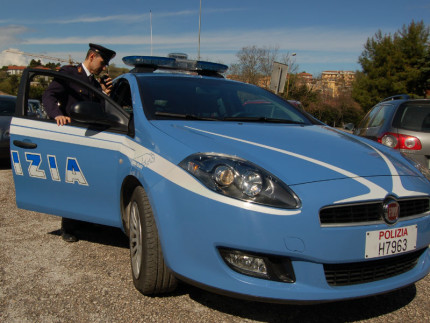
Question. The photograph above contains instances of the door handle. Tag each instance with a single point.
(24, 144)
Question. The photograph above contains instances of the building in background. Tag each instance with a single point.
(15, 70)
(333, 83)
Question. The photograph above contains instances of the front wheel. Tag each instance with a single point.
(150, 273)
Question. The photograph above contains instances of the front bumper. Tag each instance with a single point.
(193, 228)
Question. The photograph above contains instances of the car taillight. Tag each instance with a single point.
(397, 141)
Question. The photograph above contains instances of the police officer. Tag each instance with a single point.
(59, 97)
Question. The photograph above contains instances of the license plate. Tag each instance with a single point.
(391, 241)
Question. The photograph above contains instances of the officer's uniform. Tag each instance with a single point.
(59, 98)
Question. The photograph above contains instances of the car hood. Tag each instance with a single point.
(295, 154)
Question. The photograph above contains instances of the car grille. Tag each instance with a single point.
(370, 212)
(369, 271)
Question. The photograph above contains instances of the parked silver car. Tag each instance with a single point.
(401, 123)
(7, 110)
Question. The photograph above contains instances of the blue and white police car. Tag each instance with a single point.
(226, 186)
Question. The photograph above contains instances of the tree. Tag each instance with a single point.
(248, 69)
(52, 66)
(425, 61)
(9, 84)
(393, 64)
(255, 64)
(34, 63)
(413, 43)
(116, 71)
(266, 60)
(300, 91)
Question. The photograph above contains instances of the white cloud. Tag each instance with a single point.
(7, 58)
(129, 18)
(118, 40)
(311, 39)
(314, 45)
(9, 35)
(95, 19)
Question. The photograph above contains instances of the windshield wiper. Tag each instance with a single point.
(262, 119)
(183, 116)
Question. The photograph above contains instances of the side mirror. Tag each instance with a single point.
(349, 126)
(89, 112)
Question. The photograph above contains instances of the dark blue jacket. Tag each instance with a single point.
(60, 95)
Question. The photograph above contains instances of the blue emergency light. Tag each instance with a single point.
(174, 62)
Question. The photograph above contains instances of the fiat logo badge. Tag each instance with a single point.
(391, 211)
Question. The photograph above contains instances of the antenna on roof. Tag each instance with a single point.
(200, 25)
(150, 21)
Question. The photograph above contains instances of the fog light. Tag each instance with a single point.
(245, 263)
(258, 265)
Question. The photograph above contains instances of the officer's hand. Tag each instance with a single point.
(62, 120)
(107, 85)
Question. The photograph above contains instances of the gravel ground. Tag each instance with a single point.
(44, 279)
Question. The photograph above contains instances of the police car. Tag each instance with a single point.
(226, 186)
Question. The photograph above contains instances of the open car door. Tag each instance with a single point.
(71, 170)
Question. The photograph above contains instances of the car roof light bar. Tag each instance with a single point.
(147, 64)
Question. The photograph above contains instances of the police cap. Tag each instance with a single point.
(104, 52)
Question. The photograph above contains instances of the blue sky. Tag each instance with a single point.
(325, 35)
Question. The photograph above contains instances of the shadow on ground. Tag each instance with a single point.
(342, 311)
(5, 163)
(98, 233)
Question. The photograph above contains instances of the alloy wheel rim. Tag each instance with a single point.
(135, 240)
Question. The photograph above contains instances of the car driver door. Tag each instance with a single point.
(72, 170)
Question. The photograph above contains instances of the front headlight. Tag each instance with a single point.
(240, 179)
(423, 169)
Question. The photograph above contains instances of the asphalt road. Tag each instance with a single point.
(44, 279)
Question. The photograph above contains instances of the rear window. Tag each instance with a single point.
(7, 106)
(414, 116)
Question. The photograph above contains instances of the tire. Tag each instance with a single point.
(149, 271)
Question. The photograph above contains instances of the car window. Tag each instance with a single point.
(7, 106)
(368, 117)
(216, 99)
(35, 109)
(83, 96)
(414, 116)
(121, 94)
(381, 116)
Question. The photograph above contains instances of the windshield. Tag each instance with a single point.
(7, 106)
(196, 98)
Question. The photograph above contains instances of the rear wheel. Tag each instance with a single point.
(150, 273)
